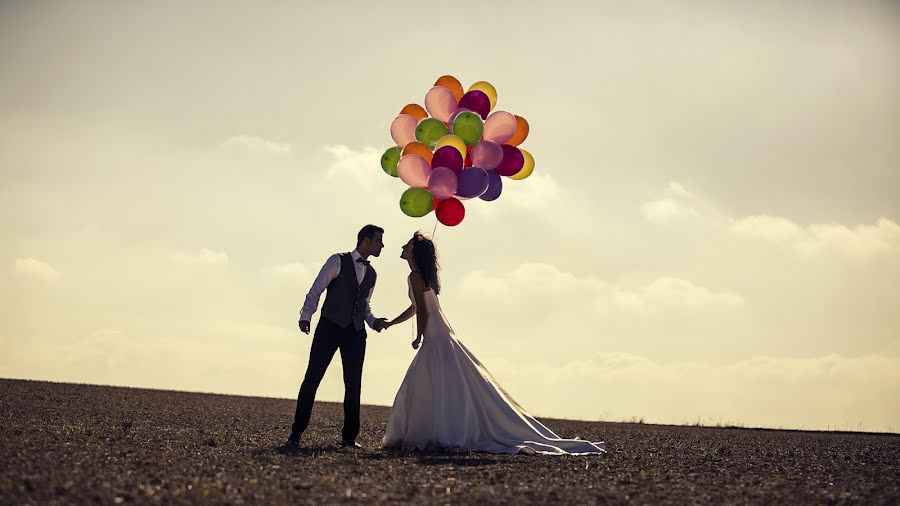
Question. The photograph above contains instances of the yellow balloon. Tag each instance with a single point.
(527, 167)
(488, 89)
(452, 140)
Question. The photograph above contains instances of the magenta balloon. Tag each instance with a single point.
(448, 156)
(487, 155)
(442, 182)
(495, 186)
(499, 127)
(472, 182)
(403, 129)
(512, 162)
(414, 170)
(440, 103)
(476, 101)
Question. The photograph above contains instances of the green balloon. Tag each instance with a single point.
(468, 127)
(416, 202)
(429, 131)
(389, 160)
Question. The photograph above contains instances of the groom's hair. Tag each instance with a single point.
(368, 232)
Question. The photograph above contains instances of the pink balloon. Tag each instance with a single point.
(442, 182)
(440, 103)
(414, 170)
(499, 127)
(487, 155)
(403, 129)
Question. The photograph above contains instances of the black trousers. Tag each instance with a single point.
(328, 338)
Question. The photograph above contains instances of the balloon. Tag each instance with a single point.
(468, 127)
(416, 147)
(403, 129)
(452, 140)
(415, 110)
(389, 160)
(416, 202)
(440, 103)
(472, 182)
(449, 157)
(450, 212)
(413, 170)
(487, 155)
(499, 127)
(488, 89)
(527, 167)
(495, 187)
(521, 132)
(452, 84)
(468, 161)
(442, 182)
(429, 131)
(512, 161)
(476, 101)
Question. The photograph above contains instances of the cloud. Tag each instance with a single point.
(675, 205)
(539, 190)
(293, 270)
(34, 268)
(819, 392)
(362, 165)
(861, 242)
(531, 279)
(203, 257)
(675, 291)
(249, 143)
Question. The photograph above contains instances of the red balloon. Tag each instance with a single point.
(450, 212)
(436, 202)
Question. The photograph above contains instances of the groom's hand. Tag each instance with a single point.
(304, 326)
(379, 324)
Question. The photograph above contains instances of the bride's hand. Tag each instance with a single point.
(417, 342)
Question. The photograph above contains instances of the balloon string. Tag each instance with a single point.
(434, 229)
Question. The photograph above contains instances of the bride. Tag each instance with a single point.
(448, 401)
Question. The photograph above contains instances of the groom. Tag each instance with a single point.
(349, 280)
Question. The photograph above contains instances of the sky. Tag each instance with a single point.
(711, 234)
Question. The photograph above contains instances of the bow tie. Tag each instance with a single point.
(362, 261)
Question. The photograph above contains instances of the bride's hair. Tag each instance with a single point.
(425, 256)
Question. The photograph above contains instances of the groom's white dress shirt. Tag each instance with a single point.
(331, 270)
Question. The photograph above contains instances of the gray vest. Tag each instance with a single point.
(345, 298)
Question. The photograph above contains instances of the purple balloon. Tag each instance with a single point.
(442, 182)
(512, 162)
(448, 156)
(487, 155)
(476, 101)
(472, 182)
(495, 186)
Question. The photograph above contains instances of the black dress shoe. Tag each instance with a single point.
(351, 443)
(293, 440)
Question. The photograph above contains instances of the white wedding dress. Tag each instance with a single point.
(448, 401)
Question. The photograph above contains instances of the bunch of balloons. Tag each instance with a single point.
(455, 149)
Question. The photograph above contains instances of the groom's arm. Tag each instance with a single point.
(370, 318)
(329, 271)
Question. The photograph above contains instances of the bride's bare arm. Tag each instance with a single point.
(418, 287)
(406, 315)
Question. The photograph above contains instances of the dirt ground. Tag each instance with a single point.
(69, 443)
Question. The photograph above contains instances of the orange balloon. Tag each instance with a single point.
(452, 84)
(417, 148)
(414, 110)
(521, 132)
